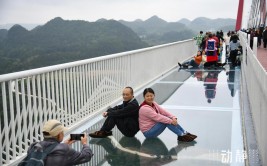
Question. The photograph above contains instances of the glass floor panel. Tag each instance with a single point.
(206, 103)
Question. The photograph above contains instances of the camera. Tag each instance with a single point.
(76, 136)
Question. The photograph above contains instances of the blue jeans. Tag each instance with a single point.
(158, 128)
(193, 63)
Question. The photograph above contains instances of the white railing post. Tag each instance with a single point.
(12, 121)
(18, 110)
(255, 46)
(248, 41)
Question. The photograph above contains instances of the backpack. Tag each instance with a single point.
(37, 155)
(211, 45)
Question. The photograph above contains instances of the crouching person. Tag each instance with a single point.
(124, 116)
(51, 151)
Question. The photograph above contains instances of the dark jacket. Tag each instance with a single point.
(126, 109)
(63, 154)
(264, 34)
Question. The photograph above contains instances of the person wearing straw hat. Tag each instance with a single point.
(61, 154)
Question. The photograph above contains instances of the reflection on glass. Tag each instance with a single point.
(155, 147)
(231, 81)
(210, 79)
(199, 74)
(130, 151)
(115, 156)
(210, 83)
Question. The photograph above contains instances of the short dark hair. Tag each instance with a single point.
(201, 32)
(210, 35)
(148, 90)
(131, 89)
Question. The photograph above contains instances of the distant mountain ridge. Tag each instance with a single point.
(206, 24)
(59, 41)
(153, 25)
(209, 24)
(184, 21)
(201, 22)
(158, 31)
(26, 26)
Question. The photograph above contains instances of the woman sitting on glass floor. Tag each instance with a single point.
(153, 119)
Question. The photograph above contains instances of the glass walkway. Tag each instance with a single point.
(206, 102)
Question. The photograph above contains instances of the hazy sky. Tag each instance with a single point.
(41, 11)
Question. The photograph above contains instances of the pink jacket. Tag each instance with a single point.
(148, 116)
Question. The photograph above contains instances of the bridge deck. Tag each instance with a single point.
(206, 103)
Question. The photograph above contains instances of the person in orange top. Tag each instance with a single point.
(193, 62)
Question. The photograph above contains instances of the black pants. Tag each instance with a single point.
(251, 44)
(209, 64)
(259, 41)
(233, 55)
(127, 126)
(264, 42)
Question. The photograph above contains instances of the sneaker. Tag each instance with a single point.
(186, 138)
(100, 134)
(192, 135)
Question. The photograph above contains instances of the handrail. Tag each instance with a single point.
(254, 77)
(74, 91)
(20, 74)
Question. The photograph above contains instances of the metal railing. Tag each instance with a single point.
(73, 92)
(255, 77)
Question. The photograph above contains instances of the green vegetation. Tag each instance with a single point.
(61, 41)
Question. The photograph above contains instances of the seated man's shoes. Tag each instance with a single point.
(100, 134)
(187, 137)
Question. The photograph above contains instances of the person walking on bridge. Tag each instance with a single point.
(199, 39)
(234, 48)
(211, 51)
(264, 35)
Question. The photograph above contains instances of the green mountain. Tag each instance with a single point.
(60, 41)
(158, 31)
(3, 34)
(206, 24)
(27, 26)
(184, 21)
